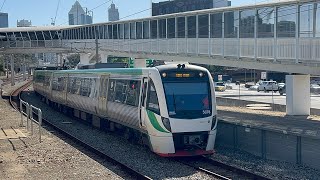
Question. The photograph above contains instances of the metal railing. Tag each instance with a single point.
(31, 44)
(24, 111)
(33, 114)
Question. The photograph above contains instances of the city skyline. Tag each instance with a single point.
(43, 16)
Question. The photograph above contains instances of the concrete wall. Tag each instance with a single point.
(269, 144)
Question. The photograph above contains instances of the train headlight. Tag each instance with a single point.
(214, 121)
(201, 74)
(166, 123)
(164, 74)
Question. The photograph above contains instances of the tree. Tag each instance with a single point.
(112, 59)
(73, 60)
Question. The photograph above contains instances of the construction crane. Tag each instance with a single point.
(53, 20)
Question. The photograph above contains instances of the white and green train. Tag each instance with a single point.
(171, 108)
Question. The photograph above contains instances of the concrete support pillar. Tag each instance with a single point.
(59, 60)
(104, 57)
(12, 71)
(24, 68)
(84, 58)
(298, 94)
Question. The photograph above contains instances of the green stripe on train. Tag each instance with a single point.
(154, 122)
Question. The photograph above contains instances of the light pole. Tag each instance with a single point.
(24, 67)
(12, 70)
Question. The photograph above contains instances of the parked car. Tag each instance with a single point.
(267, 86)
(281, 85)
(228, 85)
(254, 87)
(282, 90)
(249, 84)
(314, 88)
(220, 86)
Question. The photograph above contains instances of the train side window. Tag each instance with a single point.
(120, 91)
(132, 95)
(111, 91)
(46, 80)
(76, 85)
(61, 84)
(70, 84)
(85, 89)
(55, 84)
(152, 102)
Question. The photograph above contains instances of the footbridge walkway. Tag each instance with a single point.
(277, 36)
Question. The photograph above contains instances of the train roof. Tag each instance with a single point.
(128, 71)
(176, 66)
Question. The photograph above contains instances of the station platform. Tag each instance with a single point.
(271, 120)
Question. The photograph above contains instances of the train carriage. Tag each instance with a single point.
(171, 106)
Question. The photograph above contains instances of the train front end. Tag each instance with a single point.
(188, 112)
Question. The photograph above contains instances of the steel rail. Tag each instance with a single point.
(238, 170)
(229, 168)
(136, 174)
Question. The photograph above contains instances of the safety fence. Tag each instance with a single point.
(33, 114)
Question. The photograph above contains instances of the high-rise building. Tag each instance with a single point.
(176, 6)
(4, 20)
(24, 23)
(113, 13)
(77, 16)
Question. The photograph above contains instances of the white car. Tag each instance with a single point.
(254, 87)
(267, 86)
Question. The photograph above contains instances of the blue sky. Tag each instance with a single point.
(40, 12)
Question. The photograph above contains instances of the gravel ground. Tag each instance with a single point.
(268, 168)
(156, 167)
(133, 155)
(54, 158)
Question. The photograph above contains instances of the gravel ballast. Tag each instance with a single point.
(136, 156)
(26, 158)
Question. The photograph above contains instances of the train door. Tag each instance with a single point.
(103, 92)
(62, 87)
(143, 99)
(65, 90)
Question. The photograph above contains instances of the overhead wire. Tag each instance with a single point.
(55, 17)
(88, 10)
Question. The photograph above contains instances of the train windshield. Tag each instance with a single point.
(188, 100)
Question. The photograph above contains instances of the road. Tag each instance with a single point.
(262, 97)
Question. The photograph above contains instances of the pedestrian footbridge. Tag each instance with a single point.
(277, 36)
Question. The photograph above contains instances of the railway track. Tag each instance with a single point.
(218, 169)
(202, 164)
(134, 173)
(7, 81)
(14, 95)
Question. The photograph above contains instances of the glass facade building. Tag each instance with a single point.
(4, 20)
(176, 6)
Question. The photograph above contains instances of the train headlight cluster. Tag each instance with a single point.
(166, 123)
